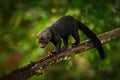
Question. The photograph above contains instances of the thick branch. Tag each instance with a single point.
(35, 68)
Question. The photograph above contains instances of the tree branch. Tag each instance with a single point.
(35, 68)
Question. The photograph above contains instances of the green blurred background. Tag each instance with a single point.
(22, 20)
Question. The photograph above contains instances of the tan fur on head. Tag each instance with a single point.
(44, 38)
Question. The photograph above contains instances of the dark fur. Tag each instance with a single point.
(65, 27)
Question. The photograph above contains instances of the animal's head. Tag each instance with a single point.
(44, 38)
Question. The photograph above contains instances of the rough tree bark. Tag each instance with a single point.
(35, 68)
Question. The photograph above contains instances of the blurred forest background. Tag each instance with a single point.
(22, 20)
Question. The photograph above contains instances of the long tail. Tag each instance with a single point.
(95, 40)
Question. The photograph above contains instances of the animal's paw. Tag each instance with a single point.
(52, 52)
(75, 44)
(64, 48)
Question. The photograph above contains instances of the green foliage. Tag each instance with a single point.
(22, 20)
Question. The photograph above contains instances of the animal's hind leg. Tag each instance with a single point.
(65, 40)
(75, 35)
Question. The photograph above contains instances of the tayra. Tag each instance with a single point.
(63, 28)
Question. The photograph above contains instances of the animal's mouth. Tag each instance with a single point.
(42, 45)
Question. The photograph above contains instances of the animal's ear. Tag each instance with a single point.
(49, 37)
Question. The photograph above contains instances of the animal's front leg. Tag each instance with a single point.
(57, 47)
